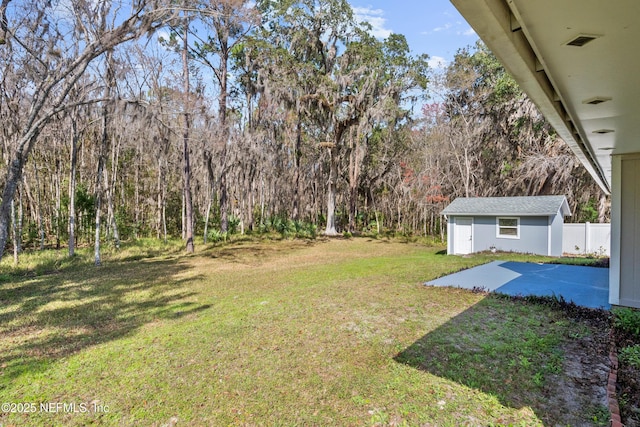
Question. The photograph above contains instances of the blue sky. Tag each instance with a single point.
(433, 27)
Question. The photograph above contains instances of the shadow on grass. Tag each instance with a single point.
(256, 253)
(56, 315)
(526, 354)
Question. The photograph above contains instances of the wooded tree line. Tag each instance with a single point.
(140, 118)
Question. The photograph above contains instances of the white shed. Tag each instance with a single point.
(531, 224)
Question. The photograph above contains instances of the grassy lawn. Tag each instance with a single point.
(325, 332)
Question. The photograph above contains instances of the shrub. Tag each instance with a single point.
(288, 228)
(306, 230)
(214, 235)
(627, 319)
(234, 223)
(631, 355)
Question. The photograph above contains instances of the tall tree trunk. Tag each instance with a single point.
(251, 196)
(164, 214)
(72, 186)
(14, 233)
(136, 190)
(297, 172)
(99, 189)
(262, 200)
(96, 242)
(184, 210)
(223, 39)
(186, 172)
(375, 211)
(208, 161)
(104, 147)
(354, 177)
(330, 229)
(159, 201)
(224, 194)
(110, 190)
(206, 216)
(14, 175)
(41, 233)
(603, 207)
(58, 192)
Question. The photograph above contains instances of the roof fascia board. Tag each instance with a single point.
(565, 209)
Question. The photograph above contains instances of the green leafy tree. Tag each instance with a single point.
(339, 81)
(230, 21)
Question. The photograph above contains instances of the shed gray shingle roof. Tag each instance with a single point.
(520, 206)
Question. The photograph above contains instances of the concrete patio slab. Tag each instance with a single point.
(585, 286)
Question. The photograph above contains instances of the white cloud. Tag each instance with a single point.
(442, 28)
(375, 17)
(437, 62)
(469, 32)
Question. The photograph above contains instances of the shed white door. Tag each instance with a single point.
(463, 236)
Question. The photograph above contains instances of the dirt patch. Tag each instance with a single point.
(581, 390)
(553, 361)
(577, 395)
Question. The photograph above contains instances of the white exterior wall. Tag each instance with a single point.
(624, 271)
(555, 234)
(538, 235)
(532, 239)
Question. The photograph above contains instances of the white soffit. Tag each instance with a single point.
(587, 93)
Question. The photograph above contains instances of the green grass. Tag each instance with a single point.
(337, 332)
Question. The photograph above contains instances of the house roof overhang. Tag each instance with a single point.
(588, 93)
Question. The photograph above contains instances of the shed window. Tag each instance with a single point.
(508, 228)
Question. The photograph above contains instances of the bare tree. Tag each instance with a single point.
(286, 123)
(38, 44)
(73, 164)
(186, 166)
(230, 21)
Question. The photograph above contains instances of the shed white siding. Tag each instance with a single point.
(514, 224)
(532, 239)
(555, 231)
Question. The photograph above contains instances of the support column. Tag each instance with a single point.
(624, 272)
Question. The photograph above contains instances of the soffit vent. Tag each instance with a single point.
(603, 131)
(596, 100)
(581, 40)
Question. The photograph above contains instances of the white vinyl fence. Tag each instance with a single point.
(586, 238)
